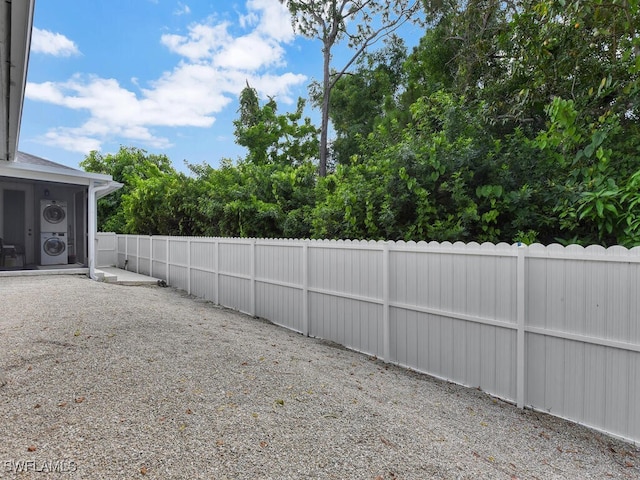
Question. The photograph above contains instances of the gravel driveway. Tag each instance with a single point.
(107, 381)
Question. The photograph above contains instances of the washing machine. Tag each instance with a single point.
(53, 216)
(53, 248)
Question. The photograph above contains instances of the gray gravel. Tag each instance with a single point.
(108, 381)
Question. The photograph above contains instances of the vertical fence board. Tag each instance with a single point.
(535, 361)
(505, 368)
(411, 339)
(554, 374)
(398, 336)
(122, 251)
(595, 365)
(159, 252)
(536, 277)
(633, 426)
(634, 305)
(574, 381)
(144, 255)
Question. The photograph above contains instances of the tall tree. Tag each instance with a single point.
(361, 22)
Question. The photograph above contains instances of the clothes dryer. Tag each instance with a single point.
(53, 216)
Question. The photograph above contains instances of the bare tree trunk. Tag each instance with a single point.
(326, 93)
(324, 136)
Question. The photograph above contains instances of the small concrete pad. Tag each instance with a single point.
(123, 277)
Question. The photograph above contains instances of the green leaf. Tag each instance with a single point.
(586, 211)
(588, 150)
(612, 208)
(608, 225)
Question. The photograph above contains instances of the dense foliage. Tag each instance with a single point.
(508, 122)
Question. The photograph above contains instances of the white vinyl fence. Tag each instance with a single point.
(552, 328)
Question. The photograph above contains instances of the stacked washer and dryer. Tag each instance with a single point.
(53, 232)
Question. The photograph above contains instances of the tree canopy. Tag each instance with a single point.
(516, 121)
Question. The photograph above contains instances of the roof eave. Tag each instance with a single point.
(51, 174)
(16, 23)
(113, 186)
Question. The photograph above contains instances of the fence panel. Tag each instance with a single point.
(279, 280)
(179, 262)
(583, 349)
(203, 269)
(553, 328)
(449, 317)
(235, 269)
(346, 295)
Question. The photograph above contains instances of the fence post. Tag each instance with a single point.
(520, 312)
(386, 326)
(168, 256)
(137, 253)
(116, 249)
(305, 288)
(189, 266)
(216, 266)
(252, 306)
(150, 256)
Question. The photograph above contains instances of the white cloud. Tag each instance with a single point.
(275, 21)
(44, 92)
(182, 9)
(56, 44)
(271, 85)
(250, 53)
(214, 67)
(88, 137)
(202, 42)
(70, 140)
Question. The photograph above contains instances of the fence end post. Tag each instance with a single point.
(520, 333)
(386, 324)
(252, 306)
(305, 288)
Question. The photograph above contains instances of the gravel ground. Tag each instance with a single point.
(107, 382)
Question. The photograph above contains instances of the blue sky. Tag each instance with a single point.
(161, 75)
